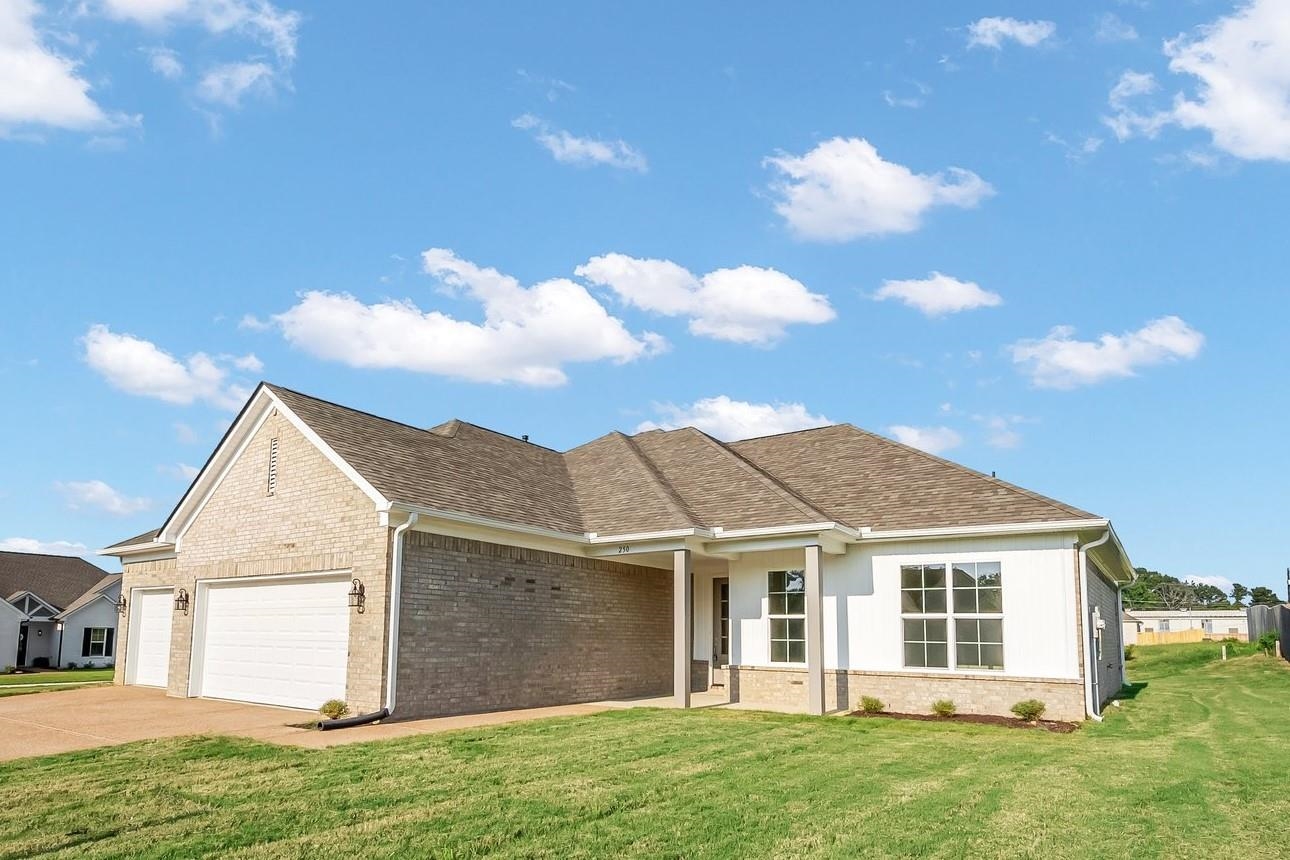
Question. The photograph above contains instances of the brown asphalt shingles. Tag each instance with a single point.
(56, 579)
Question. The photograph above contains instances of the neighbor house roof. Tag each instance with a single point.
(146, 537)
(57, 579)
(662, 480)
(94, 592)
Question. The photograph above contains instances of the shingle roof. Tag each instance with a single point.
(57, 579)
(92, 594)
(146, 537)
(662, 480)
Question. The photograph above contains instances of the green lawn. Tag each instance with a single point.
(19, 685)
(1192, 766)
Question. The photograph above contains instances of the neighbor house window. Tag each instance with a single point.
(786, 590)
(954, 622)
(96, 642)
(1164, 625)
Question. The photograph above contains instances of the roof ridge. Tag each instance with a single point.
(778, 486)
(520, 439)
(275, 387)
(788, 432)
(1039, 497)
(661, 485)
(47, 555)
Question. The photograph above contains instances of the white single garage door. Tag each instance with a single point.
(148, 649)
(276, 642)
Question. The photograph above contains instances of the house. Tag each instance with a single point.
(1209, 624)
(56, 610)
(323, 552)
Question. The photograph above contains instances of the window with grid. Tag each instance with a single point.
(978, 615)
(786, 590)
(922, 601)
(955, 622)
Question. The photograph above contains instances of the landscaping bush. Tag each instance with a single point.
(943, 708)
(8, 670)
(1268, 643)
(1128, 652)
(1029, 710)
(872, 705)
(334, 709)
(73, 665)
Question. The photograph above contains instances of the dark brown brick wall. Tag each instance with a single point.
(488, 627)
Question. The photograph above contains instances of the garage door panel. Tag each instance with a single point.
(148, 649)
(278, 643)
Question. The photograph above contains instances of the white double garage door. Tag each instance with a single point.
(272, 640)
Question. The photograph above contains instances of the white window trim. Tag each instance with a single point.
(785, 664)
(951, 629)
(102, 643)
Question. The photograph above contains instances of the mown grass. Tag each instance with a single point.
(1192, 766)
(19, 685)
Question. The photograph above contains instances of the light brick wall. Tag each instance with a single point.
(316, 520)
(489, 627)
(1110, 668)
(907, 692)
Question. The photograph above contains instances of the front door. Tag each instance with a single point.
(720, 623)
(22, 645)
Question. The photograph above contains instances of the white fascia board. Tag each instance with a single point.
(645, 537)
(485, 522)
(719, 533)
(136, 549)
(1051, 527)
(68, 613)
(53, 610)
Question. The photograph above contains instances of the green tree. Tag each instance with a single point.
(1239, 593)
(1261, 595)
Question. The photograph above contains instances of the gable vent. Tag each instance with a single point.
(273, 467)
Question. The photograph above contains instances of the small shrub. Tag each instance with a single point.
(1268, 643)
(1029, 710)
(334, 709)
(943, 708)
(73, 665)
(1128, 652)
(872, 705)
(8, 670)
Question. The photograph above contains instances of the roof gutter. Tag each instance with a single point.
(396, 595)
(1090, 673)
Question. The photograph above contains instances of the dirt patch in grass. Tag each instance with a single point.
(1055, 726)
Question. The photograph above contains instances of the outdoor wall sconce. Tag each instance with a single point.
(181, 601)
(120, 604)
(357, 595)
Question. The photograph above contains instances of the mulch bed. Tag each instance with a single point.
(1055, 726)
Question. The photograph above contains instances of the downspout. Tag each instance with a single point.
(396, 595)
(1090, 673)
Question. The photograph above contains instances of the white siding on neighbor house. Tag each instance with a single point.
(1222, 622)
(42, 641)
(10, 621)
(862, 616)
(98, 613)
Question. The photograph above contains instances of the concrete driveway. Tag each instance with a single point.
(46, 723)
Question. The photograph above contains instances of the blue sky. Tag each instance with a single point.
(1043, 239)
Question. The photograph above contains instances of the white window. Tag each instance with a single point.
(786, 593)
(1164, 625)
(96, 642)
(963, 633)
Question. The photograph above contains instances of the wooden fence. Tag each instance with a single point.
(1156, 637)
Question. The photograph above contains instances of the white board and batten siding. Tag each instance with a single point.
(272, 640)
(148, 646)
(862, 616)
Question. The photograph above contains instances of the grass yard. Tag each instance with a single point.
(1192, 766)
(20, 685)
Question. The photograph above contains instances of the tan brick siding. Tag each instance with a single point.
(910, 693)
(140, 574)
(316, 520)
(489, 627)
(1110, 668)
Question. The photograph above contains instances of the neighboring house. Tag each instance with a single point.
(1213, 623)
(324, 552)
(56, 610)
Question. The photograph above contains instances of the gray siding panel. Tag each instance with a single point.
(1110, 666)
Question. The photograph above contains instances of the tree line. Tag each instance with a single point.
(1155, 590)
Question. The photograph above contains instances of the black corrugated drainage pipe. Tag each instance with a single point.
(356, 720)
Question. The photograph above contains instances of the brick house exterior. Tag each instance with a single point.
(516, 576)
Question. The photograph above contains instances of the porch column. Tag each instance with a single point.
(814, 631)
(682, 628)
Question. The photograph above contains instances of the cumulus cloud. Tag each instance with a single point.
(568, 148)
(1060, 361)
(843, 189)
(39, 86)
(52, 547)
(729, 419)
(938, 295)
(993, 32)
(137, 366)
(745, 304)
(97, 495)
(1241, 66)
(228, 83)
(526, 336)
(933, 440)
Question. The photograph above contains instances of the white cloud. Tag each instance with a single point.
(39, 87)
(139, 367)
(908, 101)
(249, 362)
(100, 496)
(568, 148)
(937, 294)
(526, 336)
(1222, 583)
(843, 190)
(993, 32)
(165, 62)
(1112, 28)
(251, 322)
(259, 20)
(1001, 430)
(1060, 361)
(933, 440)
(179, 471)
(734, 419)
(1241, 63)
(227, 83)
(745, 304)
(53, 547)
(185, 433)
